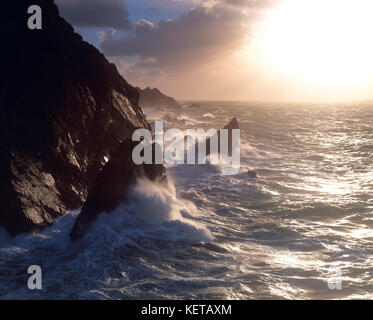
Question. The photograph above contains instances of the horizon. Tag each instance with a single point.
(235, 50)
(255, 184)
(277, 101)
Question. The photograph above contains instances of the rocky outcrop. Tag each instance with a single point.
(252, 174)
(194, 105)
(232, 125)
(153, 98)
(112, 185)
(64, 111)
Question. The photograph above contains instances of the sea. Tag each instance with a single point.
(302, 229)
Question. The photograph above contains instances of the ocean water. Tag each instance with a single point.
(302, 230)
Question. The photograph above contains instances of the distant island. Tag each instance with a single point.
(154, 98)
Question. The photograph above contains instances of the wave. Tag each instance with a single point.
(208, 115)
(152, 221)
(151, 208)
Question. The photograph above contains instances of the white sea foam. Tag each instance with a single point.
(153, 205)
(274, 236)
(208, 115)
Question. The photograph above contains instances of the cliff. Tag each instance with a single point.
(64, 110)
(153, 98)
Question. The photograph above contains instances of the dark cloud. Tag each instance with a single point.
(200, 54)
(95, 13)
(208, 30)
(252, 3)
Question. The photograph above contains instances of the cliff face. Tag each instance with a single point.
(64, 110)
(154, 98)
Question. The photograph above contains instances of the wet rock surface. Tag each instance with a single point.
(64, 110)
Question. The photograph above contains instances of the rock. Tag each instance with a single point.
(112, 184)
(153, 98)
(64, 111)
(252, 174)
(233, 124)
(195, 106)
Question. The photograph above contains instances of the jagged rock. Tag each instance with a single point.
(153, 98)
(252, 174)
(64, 110)
(112, 185)
(233, 124)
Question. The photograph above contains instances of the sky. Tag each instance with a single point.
(267, 50)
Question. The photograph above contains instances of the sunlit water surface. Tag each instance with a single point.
(304, 224)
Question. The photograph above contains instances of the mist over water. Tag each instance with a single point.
(209, 236)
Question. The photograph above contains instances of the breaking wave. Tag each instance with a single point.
(153, 220)
(155, 206)
(209, 236)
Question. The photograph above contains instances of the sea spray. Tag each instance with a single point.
(155, 207)
(274, 237)
(151, 223)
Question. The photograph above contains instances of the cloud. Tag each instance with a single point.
(154, 9)
(252, 3)
(95, 13)
(206, 31)
(190, 54)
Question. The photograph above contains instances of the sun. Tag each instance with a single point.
(325, 43)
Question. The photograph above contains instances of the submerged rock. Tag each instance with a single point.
(252, 174)
(64, 111)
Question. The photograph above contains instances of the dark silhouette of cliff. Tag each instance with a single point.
(64, 110)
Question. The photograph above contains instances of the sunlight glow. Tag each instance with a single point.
(327, 43)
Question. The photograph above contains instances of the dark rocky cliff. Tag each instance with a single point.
(64, 110)
(153, 98)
